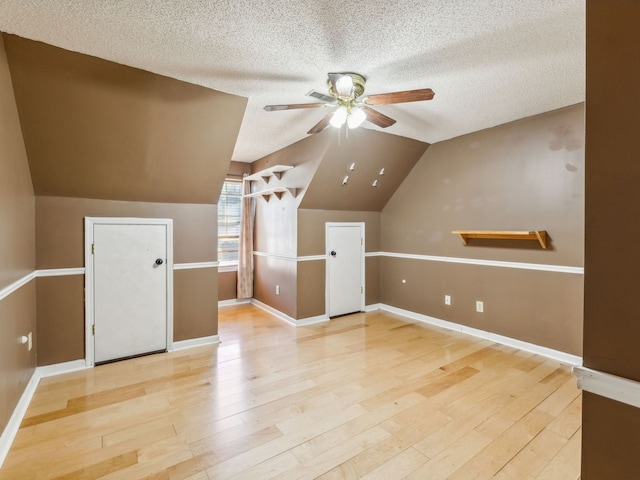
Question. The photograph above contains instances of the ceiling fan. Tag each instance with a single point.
(345, 93)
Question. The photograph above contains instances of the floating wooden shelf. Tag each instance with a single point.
(539, 235)
(275, 171)
(277, 191)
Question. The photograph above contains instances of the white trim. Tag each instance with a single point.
(195, 342)
(227, 268)
(89, 223)
(59, 272)
(311, 258)
(9, 289)
(303, 322)
(190, 266)
(276, 313)
(327, 275)
(610, 386)
(60, 368)
(434, 258)
(233, 302)
(487, 263)
(276, 256)
(49, 272)
(372, 308)
(10, 431)
(289, 258)
(511, 342)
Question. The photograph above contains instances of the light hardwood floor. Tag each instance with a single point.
(367, 396)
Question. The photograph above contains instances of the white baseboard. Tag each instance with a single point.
(10, 431)
(233, 302)
(508, 341)
(303, 322)
(276, 313)
(195, 342)
(372, 308)
(60, 368)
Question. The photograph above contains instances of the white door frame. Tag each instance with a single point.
(328, 225)
(89, 321)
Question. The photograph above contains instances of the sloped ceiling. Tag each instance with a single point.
(322, 162)
(362, 159)
(98, 129)
(488, 61)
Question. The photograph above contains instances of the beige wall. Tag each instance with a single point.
(269, 272)
(97, 129)
(311, 275)
(227, 285)
(295, 226)
(611, 430)
(60, 244)
(17, 252)
(108, 140)
(525, 175)
(370, 151)
(276, 231)
(60, 228)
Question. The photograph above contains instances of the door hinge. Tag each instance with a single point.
(93, 329)
(361, 241)
(361, 290)
(93, 249)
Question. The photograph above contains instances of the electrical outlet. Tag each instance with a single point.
(30, 341)
(447, 299)
(479, 306)
(277, 289)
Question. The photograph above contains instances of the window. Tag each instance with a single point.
(229, 206)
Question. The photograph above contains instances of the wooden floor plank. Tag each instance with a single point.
(371, 396)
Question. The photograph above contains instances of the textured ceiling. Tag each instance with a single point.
(488, 61)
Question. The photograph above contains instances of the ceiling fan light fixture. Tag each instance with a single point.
(339, 117)
(344, 87)
(356, 117)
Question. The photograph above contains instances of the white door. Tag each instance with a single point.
(345, 268)
(131, 266)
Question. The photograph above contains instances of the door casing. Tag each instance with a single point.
(89, 222)
(328, 226)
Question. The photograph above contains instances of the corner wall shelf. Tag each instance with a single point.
(277, 191)
(266, 174)
(275, 171)
(539, 235)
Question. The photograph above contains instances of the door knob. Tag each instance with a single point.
(333, 253)
(159, 261)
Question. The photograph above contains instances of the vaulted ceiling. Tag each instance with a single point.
(488, 61)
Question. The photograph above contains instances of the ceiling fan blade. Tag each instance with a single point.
(321, 96)
(378, 118)
(272, 108)
(321, 125)
(400, 97)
